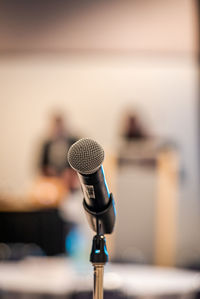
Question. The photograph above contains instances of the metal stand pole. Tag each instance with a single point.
(98, 281)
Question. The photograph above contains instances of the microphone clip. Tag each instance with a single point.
(104, 219)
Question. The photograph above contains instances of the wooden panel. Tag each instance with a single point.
(166, 210)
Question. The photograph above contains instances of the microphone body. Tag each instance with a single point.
(95, 190)
(86, 157)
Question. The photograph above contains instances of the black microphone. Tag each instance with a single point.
(86, 157)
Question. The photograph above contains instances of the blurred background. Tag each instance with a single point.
(126, 74)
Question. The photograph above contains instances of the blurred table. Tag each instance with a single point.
(62, 278)
(42, 227)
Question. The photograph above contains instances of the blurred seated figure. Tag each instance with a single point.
(53, 161)
(137, 146)
(58, 180)
(133, 130)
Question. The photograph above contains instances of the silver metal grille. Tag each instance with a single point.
(86, 156)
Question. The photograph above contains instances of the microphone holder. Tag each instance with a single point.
(106, 218)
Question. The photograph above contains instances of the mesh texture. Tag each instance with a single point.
(86, 156)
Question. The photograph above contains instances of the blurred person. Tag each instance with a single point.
(134, 129)
(53, 160)
(57, 181)
(137, 144)
(54, 164)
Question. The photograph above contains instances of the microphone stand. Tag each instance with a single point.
(102, 223)
(98, 257)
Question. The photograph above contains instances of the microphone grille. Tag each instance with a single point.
(86, 156)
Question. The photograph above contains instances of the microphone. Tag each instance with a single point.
(86, 157)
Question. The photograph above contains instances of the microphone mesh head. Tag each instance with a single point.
(86, 156)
